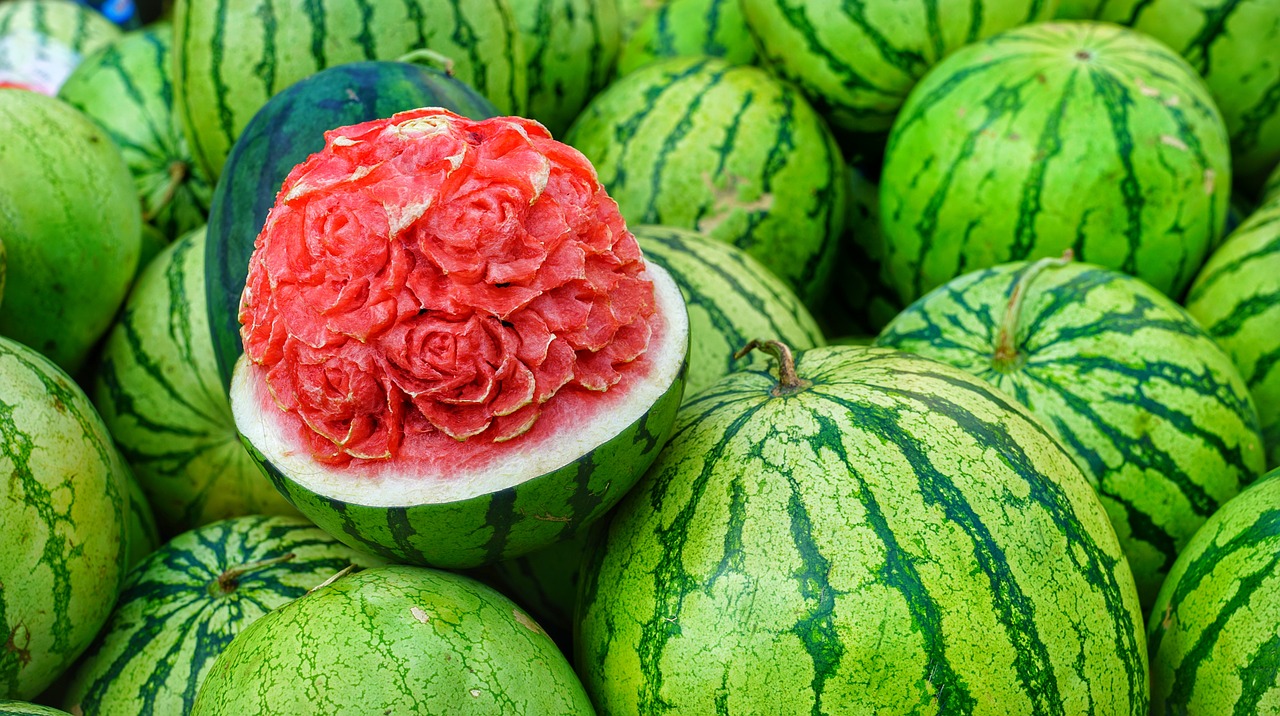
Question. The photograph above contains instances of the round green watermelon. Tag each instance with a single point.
(570, 47)
(42, 41)
(394, 640)
(686, 28)
(64, 505)
(873, 532)
(1082, 136)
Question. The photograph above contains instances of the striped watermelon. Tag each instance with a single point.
(4, 263)
(125, 87)
(1151, 409)
(21, 708)
(144, 535)
(403, 640)
(1078, 9)
(570, 47)
(857, 63)
(544, 582)
(874, 533)
(158, 391)
(287, 130)
(42, 41)
(1236, 298)
(181, 608)
(731, 298)
(1215, 629)
(1233, 44)
(1271, 190)
(225, 74)
(728, 151)
(1060, 135)
(64, 506)
(685, 28)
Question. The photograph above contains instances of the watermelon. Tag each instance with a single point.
(1236, 298)
(224, 74)
(42, 41)
(157, 388)
(731, 298)
(125, 87)
(570, 47)
(544, 582)
(181, 608)
(71, 226)
(685, 28)
(1075, 135)
(288, 129)
(389, 640)
(144, 535)
(4, 262)
(1078, 9)
(64, 506)
(1233, 44)
(1271, 190)
(1215, 629)
(454, 351)
(22, 708)
(728, 151)
(1152, 410)
(872, 532)
(857, 63)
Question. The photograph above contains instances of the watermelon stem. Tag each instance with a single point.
(177, 174)
(789, 383)
(1007, 358)
(228, 581)
(428, 58)
(338, 575)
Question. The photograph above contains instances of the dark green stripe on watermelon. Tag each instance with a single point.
(686, 28)
(288, 129)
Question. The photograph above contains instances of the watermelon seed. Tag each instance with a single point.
(228, 581)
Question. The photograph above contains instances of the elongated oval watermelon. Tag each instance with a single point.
(158, 390)
(1152, 410)
(287, 130)
(126, 88)
(1236, 298)
(231, 56)
(1215, 629)
(686, 28)
(184, 604)
(64, 506)
(42, 41)
(728, 151)
(1082, 136)
(570, 47)
(874, 533)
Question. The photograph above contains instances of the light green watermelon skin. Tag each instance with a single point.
(725, 150)
(64, 506)
(1236, 298)
(1152, 410)
(570, 47)
(1271, 190)
(1215, 629)
(1053, 136)
(896, 538)
(21, 708)
(1078, 9)
(223, 74)
(1233, 44)
(731, 298)
(158, 389)
(127, 89)
(71, 227)
(857, 62)
(687, 28)
(399, 640)
(174, 618)
(41, 41)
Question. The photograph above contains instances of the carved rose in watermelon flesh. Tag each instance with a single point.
(428, 277)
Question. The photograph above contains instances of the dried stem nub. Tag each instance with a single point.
(228, 581)
(1006, 356)
(788, 381)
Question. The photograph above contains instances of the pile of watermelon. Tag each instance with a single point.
(640, 357)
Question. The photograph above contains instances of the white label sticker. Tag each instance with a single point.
(35, 61)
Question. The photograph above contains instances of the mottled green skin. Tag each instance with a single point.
(398, 640)
(231, 56)
(64, 506)
(1153, 411)
(20, 708)
(1053, 136)
(144, 535)
(71, 225)
(728, 151)
(1271, 190)
(286, 131)
(686, 28)
(1078, 9)
(126, 88)
(40, 31)
(174, 616)
(1215, 629)
(570, 47)
(545, 582)
(158, 390)
(731, 299)
(1236, 298)
(897, 537)
(858, 61)
(1232, 43)
(501, 525)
